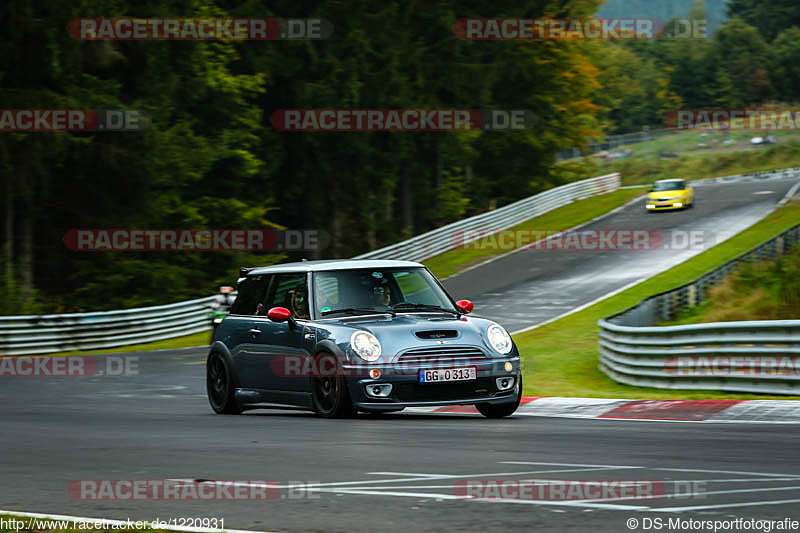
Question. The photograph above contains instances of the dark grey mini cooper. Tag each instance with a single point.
(338, 337)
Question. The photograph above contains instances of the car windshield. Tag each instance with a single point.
(674, 185)
(380, 289)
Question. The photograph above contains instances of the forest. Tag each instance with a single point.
(211, 159)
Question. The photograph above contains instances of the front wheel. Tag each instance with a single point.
(501, 410)
(219, 386)
(329, 394)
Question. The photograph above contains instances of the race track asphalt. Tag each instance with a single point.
(398, 472)
(531, 286)
(395, 472)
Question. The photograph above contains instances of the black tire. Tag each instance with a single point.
(329, 394)
(220, 386)
(501, 410)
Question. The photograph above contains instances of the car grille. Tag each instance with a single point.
(438, 392)
(442, 354)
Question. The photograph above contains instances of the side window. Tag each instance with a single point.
(252, 292)
(290, 291)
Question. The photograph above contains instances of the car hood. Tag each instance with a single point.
(666, 194)
(418, 330)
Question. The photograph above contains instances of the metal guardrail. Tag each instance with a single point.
(765, 175)
(31, 335)
(453, 235)
(739, 356)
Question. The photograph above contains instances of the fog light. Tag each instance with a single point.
(375, 373)
(650, 206)
(677, 204)
(509, 367)
(504, 384)
(379, 390)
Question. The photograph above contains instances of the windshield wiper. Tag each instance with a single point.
(408, 305)
(352, 310)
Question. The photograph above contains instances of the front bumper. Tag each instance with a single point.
(407, 391)
(664, 206)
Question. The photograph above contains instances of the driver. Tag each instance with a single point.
(381, 295)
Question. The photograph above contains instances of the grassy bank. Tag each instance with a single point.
(765, 290)
(560, 358)
(646, 166)
(574, 214)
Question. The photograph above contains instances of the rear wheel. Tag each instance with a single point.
(501, 410)
(219, 386)
(329, 394)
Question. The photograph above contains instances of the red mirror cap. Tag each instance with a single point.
(466, 306)
(279, 314)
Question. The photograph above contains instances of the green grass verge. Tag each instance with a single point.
(71, 526)
(188, 341)
(560, 358)
(760, 290)
(645, 166)
(571, 215)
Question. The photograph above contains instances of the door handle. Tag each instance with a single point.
(254, 332)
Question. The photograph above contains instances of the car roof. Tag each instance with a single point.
(670, 179)
(332, 264)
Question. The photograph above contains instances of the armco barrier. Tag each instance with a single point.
(31, 335)
(753, 356)
(451, 236)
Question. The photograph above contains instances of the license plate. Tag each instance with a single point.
(440, 375)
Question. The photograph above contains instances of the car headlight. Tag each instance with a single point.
(499, 339)
(365, 345)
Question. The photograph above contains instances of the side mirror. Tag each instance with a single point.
(279, 314)
(465, 306)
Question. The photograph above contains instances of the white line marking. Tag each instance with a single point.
(404, 474)
(571, 504)
(427, 477)
(564, 464)
(581, 307)
(406, 494)
(436, 495)
(63, 517)
(722, 506)
(536, 482)
(704, 471)
(662, 421)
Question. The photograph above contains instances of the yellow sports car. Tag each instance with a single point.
(670, 194)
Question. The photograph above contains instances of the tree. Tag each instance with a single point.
(785, 69)
(742, 53)
(769, 17)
